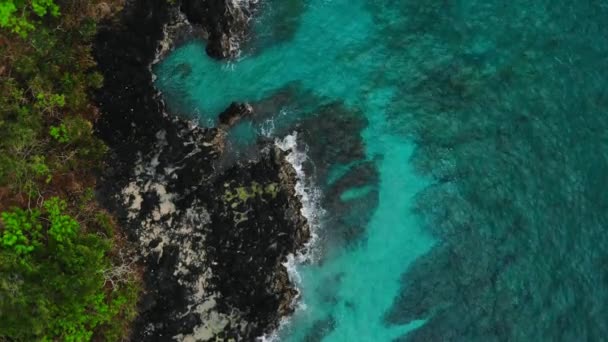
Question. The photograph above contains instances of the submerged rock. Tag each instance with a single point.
(336, 159)
(213, 241)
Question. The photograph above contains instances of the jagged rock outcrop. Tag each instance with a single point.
(225, 21)
(234, 113)
(212, 240)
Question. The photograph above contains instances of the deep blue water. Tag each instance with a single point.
(460, 153)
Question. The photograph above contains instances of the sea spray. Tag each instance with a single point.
(291, 266)
(267, 128)
(310, 197)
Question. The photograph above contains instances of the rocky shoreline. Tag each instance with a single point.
(212, 240)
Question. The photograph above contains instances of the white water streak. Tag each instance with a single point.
(310, 197)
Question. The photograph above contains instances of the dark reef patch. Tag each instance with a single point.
(320, 329)
(338, 161)
(520, 165)
(279, 22)
(336, 158)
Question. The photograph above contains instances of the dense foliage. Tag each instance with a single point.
(64, 270)
(14, 14)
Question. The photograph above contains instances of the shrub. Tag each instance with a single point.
(22, 231)
(16, 15)
(52, 277)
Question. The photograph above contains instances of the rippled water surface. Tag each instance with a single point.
(460, 150)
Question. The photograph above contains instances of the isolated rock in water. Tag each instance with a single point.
(234, 113)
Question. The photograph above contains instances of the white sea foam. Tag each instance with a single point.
(165, 45)
(291, 266)
(267, 128)
(310, 197)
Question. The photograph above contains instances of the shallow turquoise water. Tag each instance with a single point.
(461, 149)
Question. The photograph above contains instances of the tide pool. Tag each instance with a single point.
(461, 154)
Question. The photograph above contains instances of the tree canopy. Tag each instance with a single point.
(66, 273)
(18, 15)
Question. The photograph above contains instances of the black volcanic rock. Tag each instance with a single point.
(123, 52)
(234, 113)
(212, 241)
(226, 23)
(257, 223)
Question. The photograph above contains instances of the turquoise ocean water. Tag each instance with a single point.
(459, 150)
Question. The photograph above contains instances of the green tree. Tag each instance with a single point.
(17, 15)
(53, 277)
(22, 231)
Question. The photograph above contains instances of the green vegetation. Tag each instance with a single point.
(65, 270)
(53, 278)
(242, 194)
(15, 14)
(236, 197)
